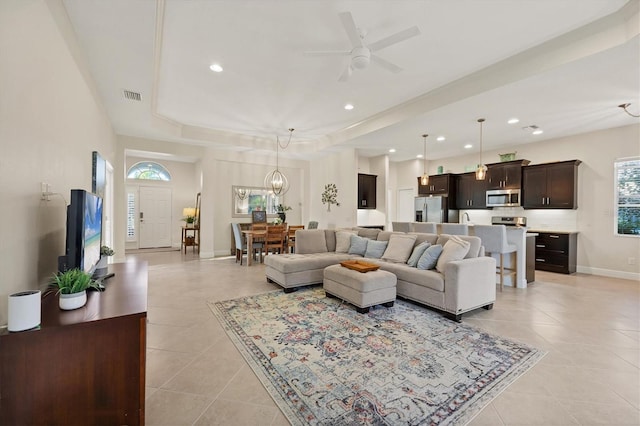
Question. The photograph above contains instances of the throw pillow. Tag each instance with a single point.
(311, 241)
(417, 253)
(399, 248)
(375, 249)
(343, 240)
(358, 245)
(429, 258)
(454, 249)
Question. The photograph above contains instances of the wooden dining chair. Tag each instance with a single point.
(291, 237)
(274, 240)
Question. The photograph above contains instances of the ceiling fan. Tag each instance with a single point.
(362, 53)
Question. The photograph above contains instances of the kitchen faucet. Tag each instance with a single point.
(467, 215)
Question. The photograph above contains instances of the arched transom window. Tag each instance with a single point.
(148, 170)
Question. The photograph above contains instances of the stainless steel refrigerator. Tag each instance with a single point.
(434, 209)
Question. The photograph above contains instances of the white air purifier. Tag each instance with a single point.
(24, 310)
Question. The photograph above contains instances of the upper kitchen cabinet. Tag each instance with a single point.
(444, 184)
(471, 193)
(366, 191)
(505, 175)
(551, 185)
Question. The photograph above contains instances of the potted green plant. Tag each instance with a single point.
(189, 214)
(72, 287)
(105, 253)
(282, 209)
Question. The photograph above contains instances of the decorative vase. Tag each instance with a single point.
(68, 302)
(282, 216)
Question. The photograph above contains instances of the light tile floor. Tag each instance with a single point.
(589, 325)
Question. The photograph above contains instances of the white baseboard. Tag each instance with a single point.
(208, 254)
(608, 273)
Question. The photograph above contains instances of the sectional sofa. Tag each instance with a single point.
(462, 286)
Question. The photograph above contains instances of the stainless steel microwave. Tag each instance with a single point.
(503, 198)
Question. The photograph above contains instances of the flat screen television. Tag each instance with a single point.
(84, 231)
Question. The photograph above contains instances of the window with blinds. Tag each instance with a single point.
(627, 193)
(131, 216)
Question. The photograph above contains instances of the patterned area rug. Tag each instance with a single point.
(325, 364)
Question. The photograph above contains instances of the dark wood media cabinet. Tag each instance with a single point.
(82, 367)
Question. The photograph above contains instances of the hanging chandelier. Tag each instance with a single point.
(275, 180)
(481, 171)
(424, 179)
(625, 106)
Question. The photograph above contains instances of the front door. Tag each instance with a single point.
(155, 217)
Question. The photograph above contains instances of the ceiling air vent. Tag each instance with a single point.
(132, 96)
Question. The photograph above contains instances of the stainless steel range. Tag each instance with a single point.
(517, 221)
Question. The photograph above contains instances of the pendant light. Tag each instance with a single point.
(275, 180)
(424, 179)
(481, 171)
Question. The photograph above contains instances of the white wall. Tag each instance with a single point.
(599, 250)
(341, 169)
(50, 122)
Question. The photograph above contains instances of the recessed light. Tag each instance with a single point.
(440, 138)
(392, 150)
(419, 156)
(513, 120)
(216, 68)
(348, 107)
(537, 132)
(468, 146)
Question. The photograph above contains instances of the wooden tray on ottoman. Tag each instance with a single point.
(359, 265)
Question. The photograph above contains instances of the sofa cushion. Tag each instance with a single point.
(330, 235)
(399, 248)
(343, 240)
(310, 241)
(474, 249)
(429, 258)
(454, 249)
(358, 245)
(384, 235)
(375, 249)
(417, 253)
(421, 238)
(292, 263)
(405, 273)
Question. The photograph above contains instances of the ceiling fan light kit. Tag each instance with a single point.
(361, 54)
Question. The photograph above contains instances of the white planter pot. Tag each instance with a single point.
(69, 302)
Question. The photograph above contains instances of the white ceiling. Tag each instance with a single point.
(561, 65)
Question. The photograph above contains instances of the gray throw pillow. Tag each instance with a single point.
(343, 240)
(429, 258)
(358, 245)
(417, 253)
(375, 249)
(454, 249)
(399, 248)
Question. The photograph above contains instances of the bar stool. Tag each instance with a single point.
(400, 226)
(494, 240)
(424, 227)
(454, 228)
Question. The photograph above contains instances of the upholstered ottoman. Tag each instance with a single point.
(362, 289)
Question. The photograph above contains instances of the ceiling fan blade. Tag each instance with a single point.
(326, 53)
(350, 27)
(395, 38)
(386, 64)
(346, 74)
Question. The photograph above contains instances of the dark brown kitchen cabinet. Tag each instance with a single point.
(443, 184)
(505, 175)
(551, 185)
(366, 191)
(471, 193)
(556, 251)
